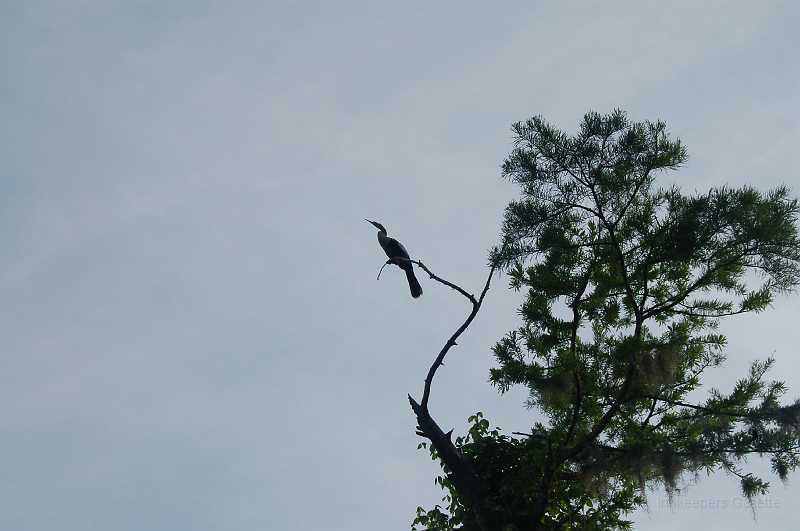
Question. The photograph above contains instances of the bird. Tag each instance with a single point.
(394, 249)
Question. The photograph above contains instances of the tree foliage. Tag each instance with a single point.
(624, 284)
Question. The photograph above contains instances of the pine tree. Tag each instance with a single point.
(624, 284)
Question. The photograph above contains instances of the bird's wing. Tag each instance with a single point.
(403, 250)
(393, 248)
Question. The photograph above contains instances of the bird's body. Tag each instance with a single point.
(394, 249)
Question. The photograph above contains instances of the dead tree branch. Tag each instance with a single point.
(460, 470)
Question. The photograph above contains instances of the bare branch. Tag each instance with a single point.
(461, 471)
(384, 265)
(476, 306)
(397, 260)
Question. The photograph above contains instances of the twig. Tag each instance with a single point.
(433, 276)
(384, 265)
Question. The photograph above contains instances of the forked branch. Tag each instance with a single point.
(461, 471)
(476, 306)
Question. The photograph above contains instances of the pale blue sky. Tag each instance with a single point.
(193, 337)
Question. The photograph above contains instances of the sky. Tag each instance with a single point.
(193, 336)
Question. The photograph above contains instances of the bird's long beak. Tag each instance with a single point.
(373, 223)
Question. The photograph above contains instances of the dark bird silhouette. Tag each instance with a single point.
(394, 249)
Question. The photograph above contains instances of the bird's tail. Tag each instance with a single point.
(413, 283)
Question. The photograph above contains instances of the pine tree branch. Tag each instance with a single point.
(628, 203)
(690, 313)
(671, 302)
(710, 411)
(601, 425)
(576, 316)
